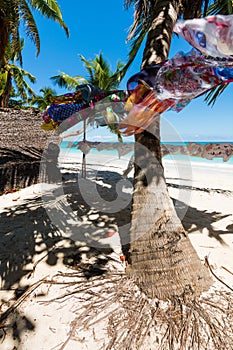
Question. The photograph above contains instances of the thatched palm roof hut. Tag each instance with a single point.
(21, 145)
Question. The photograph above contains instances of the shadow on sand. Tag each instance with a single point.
(43, 226)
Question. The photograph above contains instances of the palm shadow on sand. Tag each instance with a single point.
(28, 230)
(199, 220)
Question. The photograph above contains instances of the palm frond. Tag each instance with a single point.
(30, 24)
(223, 7)
(213, 94)
(42, 101)
(14, 53)
(23, 88)
(116, 77)
(128, 3)
(50, 9)
(48, 91)
(143, 10)
(13, 28)
(89, 67)
(100, 73)
(143, 18)
(3, 80)
(64, 80)
(39, 102)
(24, 73)
(80, 80)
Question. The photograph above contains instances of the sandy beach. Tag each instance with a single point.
(41, 237)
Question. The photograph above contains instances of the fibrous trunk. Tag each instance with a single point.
(4, 38)
(162, 259)
(5, 97)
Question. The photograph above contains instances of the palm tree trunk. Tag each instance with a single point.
(5, 97)
(162, 259)
(4, 38)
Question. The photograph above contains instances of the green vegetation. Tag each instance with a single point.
(99, 73)
(12, 14)
(13, 78)
(42, 101)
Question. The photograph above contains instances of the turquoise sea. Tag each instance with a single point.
(65, 146)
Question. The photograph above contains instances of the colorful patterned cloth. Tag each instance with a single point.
(154, 90)
(83, 104)
(212, 36)
(171, 86)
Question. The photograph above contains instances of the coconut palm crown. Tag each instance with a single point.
(14, 12)
(99, 73)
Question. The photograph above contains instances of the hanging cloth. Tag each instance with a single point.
(212, 36)
(172, 86)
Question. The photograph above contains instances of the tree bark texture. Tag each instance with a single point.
(5, 97)
(4, 37)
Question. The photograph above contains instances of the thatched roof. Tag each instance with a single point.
(21, 128)
(21, 145)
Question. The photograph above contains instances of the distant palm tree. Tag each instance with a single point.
(99, 74)
(42, 101)
(13, 75)
(14, 12)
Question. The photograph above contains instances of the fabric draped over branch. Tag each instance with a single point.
(170, 85)
(160, 88)
(212, 36)
(83, 104)
(155, 90)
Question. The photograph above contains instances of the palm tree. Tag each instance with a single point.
(161, 257)
(42, 101)
(99, 74)
(13, 75)
(13, 12)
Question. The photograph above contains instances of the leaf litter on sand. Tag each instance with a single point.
(120, 316)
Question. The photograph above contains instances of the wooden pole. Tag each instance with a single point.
(84, 169)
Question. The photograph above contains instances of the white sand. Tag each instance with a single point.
(205, 202)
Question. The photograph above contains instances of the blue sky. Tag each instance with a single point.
(103, 26)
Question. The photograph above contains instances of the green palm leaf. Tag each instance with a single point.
(23, 88)
(42, 101)
(64, 80)
(13, 12)
(143, 17)
(30, 24)
(135, 44)
(213, 94)
(98, 73)
(224, 7)
(50, 9)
